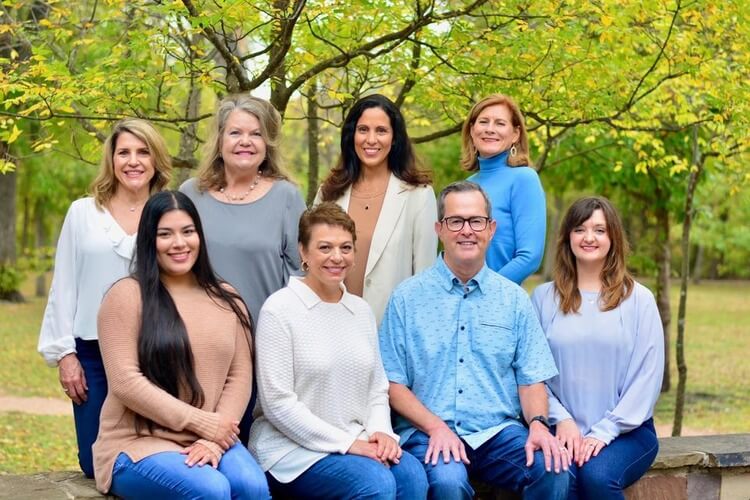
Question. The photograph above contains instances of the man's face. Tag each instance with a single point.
(466, 247)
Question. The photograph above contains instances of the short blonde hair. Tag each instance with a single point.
(105, 184)
(211, 171)
(469, 153)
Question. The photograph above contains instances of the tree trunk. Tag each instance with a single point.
(695, 171)
(664, 259)
(25, 224)
(313, 135)
(41, 242)
(698, 264)
(8, 229)
(188, 140)
(7, 213)
(279, 90)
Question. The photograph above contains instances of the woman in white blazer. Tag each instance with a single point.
(377, 181)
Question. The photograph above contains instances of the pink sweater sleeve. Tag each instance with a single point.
(118, 328)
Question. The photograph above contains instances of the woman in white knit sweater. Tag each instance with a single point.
(322, 427)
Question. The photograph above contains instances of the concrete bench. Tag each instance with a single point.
(687, 468)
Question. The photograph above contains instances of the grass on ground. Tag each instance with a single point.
(33, 443)
(718, 389)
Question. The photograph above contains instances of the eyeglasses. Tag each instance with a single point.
(456, 223)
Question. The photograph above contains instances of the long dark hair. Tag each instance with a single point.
(617, 284)
(164, 353)
(402, 160)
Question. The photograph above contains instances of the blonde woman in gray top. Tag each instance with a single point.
(249, 208)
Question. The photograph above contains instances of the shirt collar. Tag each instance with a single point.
(310, 299)
(448, 279)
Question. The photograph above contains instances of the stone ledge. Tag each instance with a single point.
(720, 451)
(686, 468)
(65, 485)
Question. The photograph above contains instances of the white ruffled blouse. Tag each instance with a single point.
(93, 252)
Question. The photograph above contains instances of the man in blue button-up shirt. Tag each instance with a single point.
(467, 361)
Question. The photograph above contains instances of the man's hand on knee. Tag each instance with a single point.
(554, 453)
(444, 440)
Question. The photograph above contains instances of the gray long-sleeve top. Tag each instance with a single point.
(253, 246)
(610, 362)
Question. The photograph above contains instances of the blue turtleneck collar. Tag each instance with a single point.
(494, 162)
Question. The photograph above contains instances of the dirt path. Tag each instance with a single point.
(36, 406)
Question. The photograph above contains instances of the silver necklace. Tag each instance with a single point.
(244, 195)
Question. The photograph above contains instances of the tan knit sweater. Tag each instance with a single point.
(222, 366)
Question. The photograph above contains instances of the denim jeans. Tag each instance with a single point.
(86, 415)
(352, 476)
(618, 465)
(166, 476)
(501, 462)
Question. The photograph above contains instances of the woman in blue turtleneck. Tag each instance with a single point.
(496, 147)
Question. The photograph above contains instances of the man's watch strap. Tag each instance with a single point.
(541, 419)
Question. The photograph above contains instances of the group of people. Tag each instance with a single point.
(382, 369)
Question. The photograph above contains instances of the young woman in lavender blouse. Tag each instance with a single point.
(607, 340)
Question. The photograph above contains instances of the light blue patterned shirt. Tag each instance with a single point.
(464, 349)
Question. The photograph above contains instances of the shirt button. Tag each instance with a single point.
(460, 391)
(463, 328)
(458, 424)
(461, 360)
(368, 281)
(466, 295)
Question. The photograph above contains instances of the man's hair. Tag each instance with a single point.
(462, 187)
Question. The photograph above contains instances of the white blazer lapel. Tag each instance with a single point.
(390, 213)
(343, 202)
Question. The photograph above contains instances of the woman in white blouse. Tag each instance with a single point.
(93, 251)
(323, 427)
(607, 340)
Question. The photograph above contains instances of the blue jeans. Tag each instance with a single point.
(165, 476)
(501, 462)
(618, 465)
(353, 476)
(86, 415)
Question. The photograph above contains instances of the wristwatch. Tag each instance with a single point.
(541, 419)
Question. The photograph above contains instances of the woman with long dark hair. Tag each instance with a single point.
(176, 348)
(606, 337)
(377, 181)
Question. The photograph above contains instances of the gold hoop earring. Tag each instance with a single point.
(305, 266)
(513, 150)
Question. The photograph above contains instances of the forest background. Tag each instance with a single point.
(645, 102)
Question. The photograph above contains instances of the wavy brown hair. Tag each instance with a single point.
(105, 184)
(211, 170)
(469, 153)
(328, 213)
(617, 284)
(402, 160)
